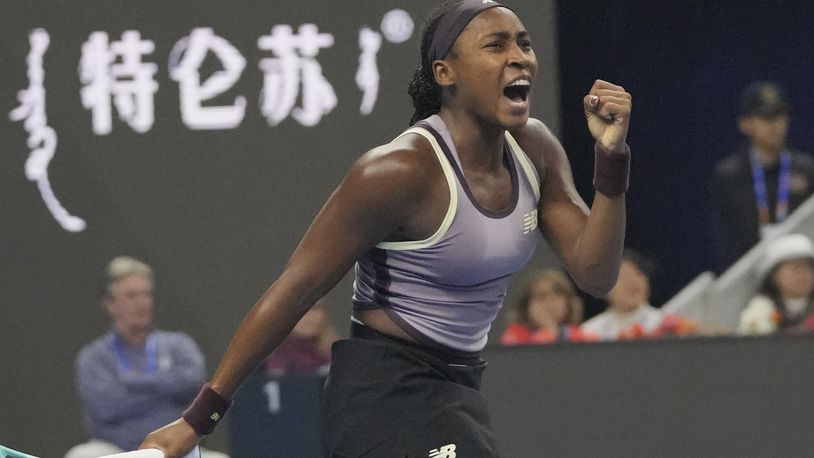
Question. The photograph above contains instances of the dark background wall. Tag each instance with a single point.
(685, 63)
(700, 397)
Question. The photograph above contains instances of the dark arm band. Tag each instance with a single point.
(206, 410)
(611, 171)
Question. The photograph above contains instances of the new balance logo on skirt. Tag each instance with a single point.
(447, 451)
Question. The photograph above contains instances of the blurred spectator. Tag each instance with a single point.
(784, 300)
(135, 378)
(307, 348)
(763, 181)
(548, 310)
(629, 314)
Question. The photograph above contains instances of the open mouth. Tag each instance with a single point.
(518, 91)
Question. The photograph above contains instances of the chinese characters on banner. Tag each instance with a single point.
(130, 82)
(118, 75)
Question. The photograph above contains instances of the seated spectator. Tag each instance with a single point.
(307, 348)
(548, 311)
(629, 314)
(785, 300)
(135, 378)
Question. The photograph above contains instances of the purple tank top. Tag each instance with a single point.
(447, 289)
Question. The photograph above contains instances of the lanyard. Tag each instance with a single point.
(782, 208)
(149, 349)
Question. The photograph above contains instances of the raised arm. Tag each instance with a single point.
(588, 241)
(381, 196)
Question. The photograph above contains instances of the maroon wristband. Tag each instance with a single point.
(206, 410)
(611, 171)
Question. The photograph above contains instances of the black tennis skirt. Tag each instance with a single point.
(387, 398)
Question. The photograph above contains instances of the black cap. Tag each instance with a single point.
(764, 99)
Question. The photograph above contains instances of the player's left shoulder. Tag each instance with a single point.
(533, 131)
(539, 143)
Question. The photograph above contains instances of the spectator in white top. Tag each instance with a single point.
(629, 314)
(785, 300)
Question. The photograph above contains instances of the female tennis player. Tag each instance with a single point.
(435, 222)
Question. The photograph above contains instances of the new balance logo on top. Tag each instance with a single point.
(447, 451)
(530, 221)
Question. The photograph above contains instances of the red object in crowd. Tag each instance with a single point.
(519, 334)
(670, 326)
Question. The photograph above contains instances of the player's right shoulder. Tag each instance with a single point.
(392, 183)
(407, 159)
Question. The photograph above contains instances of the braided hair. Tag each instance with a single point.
(424, 90)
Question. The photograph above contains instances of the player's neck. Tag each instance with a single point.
(478, 146)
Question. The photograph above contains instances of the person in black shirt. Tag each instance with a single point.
(763, 181)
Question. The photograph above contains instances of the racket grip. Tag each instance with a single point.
(206, 410)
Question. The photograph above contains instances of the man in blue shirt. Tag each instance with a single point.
(134, 378)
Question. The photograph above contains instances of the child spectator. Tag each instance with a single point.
(548, 311)
(784, 300)
(629, 314)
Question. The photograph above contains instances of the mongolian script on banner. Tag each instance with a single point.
(118, 80)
